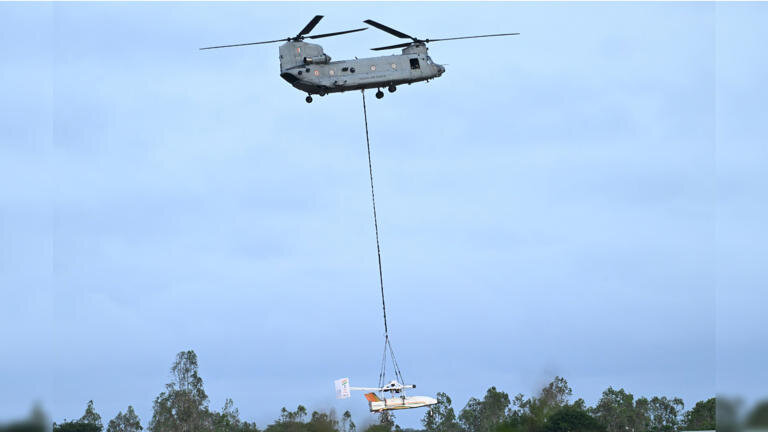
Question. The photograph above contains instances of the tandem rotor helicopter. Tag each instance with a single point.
(309, 69)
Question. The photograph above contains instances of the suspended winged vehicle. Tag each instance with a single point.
(378, 404)
(308, 68)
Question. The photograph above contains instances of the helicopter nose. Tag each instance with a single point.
(440, 69)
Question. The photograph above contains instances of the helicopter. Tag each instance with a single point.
(377, 404)
(308, 68)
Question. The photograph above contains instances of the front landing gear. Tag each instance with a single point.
(308, 99)
(379, 94)
(391, 89)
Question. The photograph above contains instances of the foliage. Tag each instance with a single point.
(128, 422)
(91, 416)
(441, 417)
(701, 416)
(664, 414)
(294, 421)
(183, 406)
(572, 419)
(228, 420)
(76, 426)
(386, 421)
(618, 412)
(347, 425)
(531, 414)
(487, 414)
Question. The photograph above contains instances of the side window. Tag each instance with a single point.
(415, 63)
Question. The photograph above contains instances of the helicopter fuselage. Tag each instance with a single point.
(306, 67)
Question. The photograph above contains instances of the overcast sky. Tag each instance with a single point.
(586, 199)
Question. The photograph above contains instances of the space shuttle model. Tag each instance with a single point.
(377, 403)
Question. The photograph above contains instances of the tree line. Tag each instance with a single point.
(183, 406)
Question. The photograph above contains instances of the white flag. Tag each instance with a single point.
(342, 388)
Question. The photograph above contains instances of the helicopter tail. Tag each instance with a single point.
(371, 397)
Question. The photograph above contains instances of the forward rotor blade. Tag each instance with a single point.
(402, 45)
(335, 33)
(472, 37)
(308, 28)
(389, 30)
(244, 44)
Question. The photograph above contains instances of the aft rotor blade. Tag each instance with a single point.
(472, 37)
(402, 45)
(389, 30)
(244, 44)
(308, 28)
(335, 33)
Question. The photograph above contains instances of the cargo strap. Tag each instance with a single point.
(387, 344)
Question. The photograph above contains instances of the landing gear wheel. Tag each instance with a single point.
(391, 89)
(379, 94)
(308, 99)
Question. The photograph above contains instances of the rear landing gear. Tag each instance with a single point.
(391, 89)
(308, 99)
(379, 94)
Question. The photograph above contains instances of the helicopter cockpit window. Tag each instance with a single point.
(429, 60)
(415, 63)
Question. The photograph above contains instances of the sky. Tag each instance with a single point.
(586, 199)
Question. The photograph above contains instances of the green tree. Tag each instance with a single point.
(377, 428)
(386, 420)
(323, 422)
(228, 420)
(91, 416)
(183, 406)
(701, 416)
(441, 417)
(487, 414)
(664, 414)
(531, 414)
(128, 422)
(471, 415)
(618, 412)
(347, 425)
(76, 426)
(572, 419)
(290, 421)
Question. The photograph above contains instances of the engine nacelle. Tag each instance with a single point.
(321, 59)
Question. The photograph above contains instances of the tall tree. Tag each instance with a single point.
(323, 422)
(531, 414)
(471, 415)
(183, 406)
(618, 412)
(701, 416)
(441, 417)
(228, 420)
(485, 415)
(386, 420)
(128, 422)
(91, 416)
(664, 414)
(347, 425)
